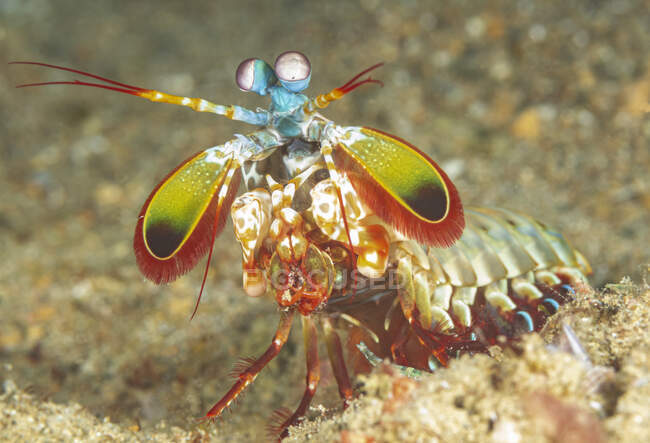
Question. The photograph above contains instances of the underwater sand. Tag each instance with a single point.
(537, 107)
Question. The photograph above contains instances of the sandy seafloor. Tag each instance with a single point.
(541, 107)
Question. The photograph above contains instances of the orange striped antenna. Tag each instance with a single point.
(197, 104)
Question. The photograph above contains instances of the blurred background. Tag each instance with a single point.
(540, 107)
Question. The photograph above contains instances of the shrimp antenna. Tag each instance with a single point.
(127, 89)
(323, 100)
(232, 112)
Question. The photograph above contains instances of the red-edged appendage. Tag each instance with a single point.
(196, 246)
(442, 233)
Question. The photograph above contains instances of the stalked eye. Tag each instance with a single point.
(292, 66)
(255, 75)
(293, 70)
(246, 74)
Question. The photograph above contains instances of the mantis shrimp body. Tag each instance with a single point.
(355, 230)
(335, 262)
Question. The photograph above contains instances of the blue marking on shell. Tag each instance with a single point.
(553, 303)
(528, 319)
(569, 289)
